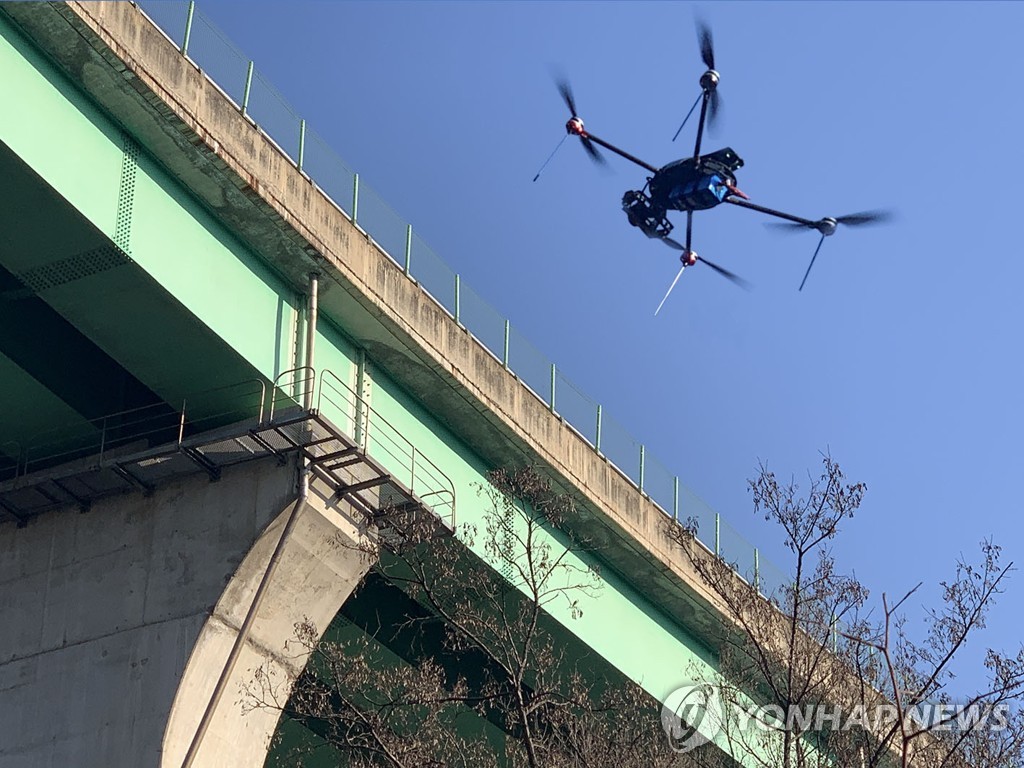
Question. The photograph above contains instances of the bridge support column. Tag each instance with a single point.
(117, 622)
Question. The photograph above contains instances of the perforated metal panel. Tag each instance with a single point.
(46, 276)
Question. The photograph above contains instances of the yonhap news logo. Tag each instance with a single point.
(692, 715)
(695, 713)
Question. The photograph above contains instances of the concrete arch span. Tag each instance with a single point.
(323, 560)
(120, 618)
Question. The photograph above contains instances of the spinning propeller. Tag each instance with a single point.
(689, 258)
(708, 83)
(574, 127)
(693, 258)
(575, 124)
(827, 226)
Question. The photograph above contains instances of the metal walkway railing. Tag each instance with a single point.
(141, 448)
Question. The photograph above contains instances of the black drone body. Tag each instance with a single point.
(698, 182)
(690, 184)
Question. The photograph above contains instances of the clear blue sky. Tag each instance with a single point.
(902, 355)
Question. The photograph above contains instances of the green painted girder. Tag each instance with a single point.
(107, 237)
(85, 321)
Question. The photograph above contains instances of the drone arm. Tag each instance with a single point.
(619, 152)
(770, 211)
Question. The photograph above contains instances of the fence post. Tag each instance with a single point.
(757, 572)
(103, 438)
(188, 27)
(597, 436)
(718, 535)
(675, 498)
(641, 483)
(458, 301)
(554, 374)
(181, 423)
(504, 355)
(302, 143)
(355, 197)
(408, 248)
(248, 89)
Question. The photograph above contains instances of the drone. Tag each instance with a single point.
(695, 183)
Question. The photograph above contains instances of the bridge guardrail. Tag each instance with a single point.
(236, 76)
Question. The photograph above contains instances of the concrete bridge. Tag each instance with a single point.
(181, 303)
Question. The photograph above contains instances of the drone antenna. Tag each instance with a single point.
(545, 165)
(822, 240)
(678, 275)
(688, 116)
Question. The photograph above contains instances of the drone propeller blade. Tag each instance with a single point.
(707, 46)
(678, 275)
(714, 109)
(676, 245)
(596, 156)
(566, 90)
(850, 220)
(731, 276)
(864, 217)
(787, 226)
(570, 101)
(822, 240)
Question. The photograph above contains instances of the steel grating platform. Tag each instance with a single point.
(334, 456)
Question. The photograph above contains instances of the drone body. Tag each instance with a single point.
(696, 183)
(683, 185)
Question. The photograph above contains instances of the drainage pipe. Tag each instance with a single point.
(314, 290)
(275, 558)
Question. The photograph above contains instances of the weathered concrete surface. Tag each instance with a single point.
(131, 69)
(321, 565)
(116, 623)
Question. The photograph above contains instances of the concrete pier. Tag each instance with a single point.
(117, 621)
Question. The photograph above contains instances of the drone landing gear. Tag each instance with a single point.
(641, 213)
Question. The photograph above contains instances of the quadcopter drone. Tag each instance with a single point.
(696, 183)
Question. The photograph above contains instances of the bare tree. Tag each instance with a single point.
(808, 678)
(499, 688)
(982, 729)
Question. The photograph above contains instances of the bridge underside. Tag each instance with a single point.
(397, 631)
(84, 330)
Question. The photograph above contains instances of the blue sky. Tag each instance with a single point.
(902, 355)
